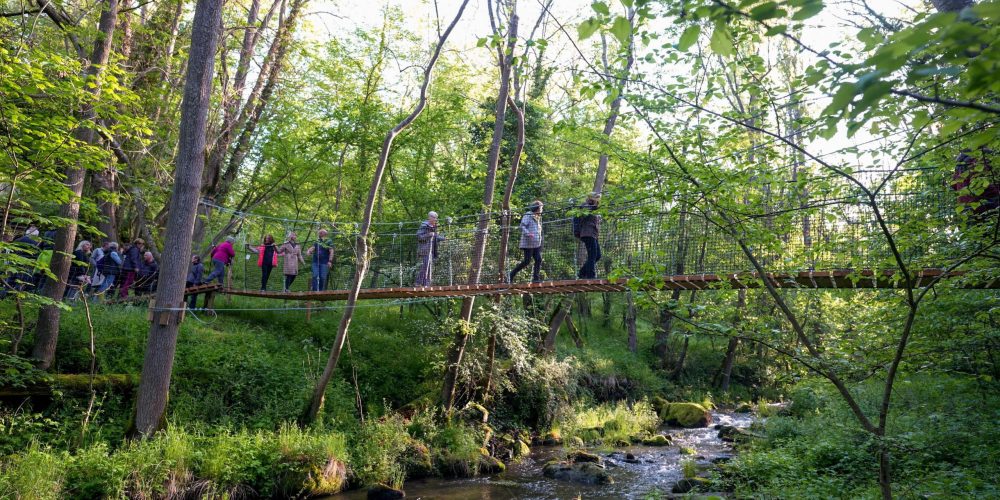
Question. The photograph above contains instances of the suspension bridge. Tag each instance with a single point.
(831, 240)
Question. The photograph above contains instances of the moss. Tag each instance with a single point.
(658, 403)
(417, 462)
(686, 415)
(685, 450)
(578, 457)
(521, 449)
(658, 440)
(309, 479)
(489, 464)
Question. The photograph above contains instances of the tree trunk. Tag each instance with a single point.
(633, 337)
(479, 248)
(727, 363)
(361, 264)
(560, 314)
(47, 328)
(154, 387)
(616, 104)
(951, 5)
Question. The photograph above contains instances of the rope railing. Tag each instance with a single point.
(831, 230)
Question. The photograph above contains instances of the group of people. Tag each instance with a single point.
(320, 253)
(586, 227)
(101, 271)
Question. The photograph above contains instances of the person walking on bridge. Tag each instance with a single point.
(321, 252)
(130, 265)
(588, 229)
(427, 249)
(292, 253)
(267, 259)
(531, 242)
(222, 256)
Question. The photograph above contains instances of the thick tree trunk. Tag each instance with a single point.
(47, 328)
(361, 264)
(482, 230)
(167, 314)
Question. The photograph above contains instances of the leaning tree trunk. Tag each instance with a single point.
(479, 248)
(47, 328)
(167, 311)
(361, 264)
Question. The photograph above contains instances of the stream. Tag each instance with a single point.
(658, 469)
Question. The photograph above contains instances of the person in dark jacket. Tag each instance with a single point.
(110, 265)
(194, 278)
(972, 169)
(267, 259)
(321, 257)
(590, 231)
(427, 249)
(531, 242)
(148, 274)
(79, 270)
(130, 265)
(26, 247)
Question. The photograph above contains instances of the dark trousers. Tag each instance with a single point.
(529, 254)
(265, 273)
(193, 298)
(289, 278)
(126, 283)
(589, 269)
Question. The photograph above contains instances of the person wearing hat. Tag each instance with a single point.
(130, 265)
(427, 249)
(531, 242)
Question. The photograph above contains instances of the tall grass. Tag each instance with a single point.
(610, 423)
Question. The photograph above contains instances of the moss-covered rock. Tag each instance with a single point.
(552, 438)
(658, 440)
(690, 484)
(686, 415)
(744, 407)
(489, 464)
(521, 449)
(583, 473)
(658, 403)
(685, 450)
(579, 457)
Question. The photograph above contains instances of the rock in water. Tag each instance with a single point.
(583, 473)
(688, 484)
(686, 415)
(383, 492)
(579, 457)
(658, 440)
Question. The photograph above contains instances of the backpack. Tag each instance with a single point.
(107, 266)
(577, 225)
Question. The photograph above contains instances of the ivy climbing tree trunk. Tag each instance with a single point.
(167, 311)
(362, 246)
(47, 328)
(505, 57)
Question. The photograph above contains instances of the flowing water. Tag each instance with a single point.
(658, 469)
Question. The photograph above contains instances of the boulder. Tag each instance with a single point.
(521, 449)
(658, 440)
(582, 473)
(490, 465)
(658, 403)
(689, 484)
(686, 415)
(576, 442)
(732, 434)
(383, 492)
(552, 438)
(630, 459)
(579, 457)
(417, 461)
(744, 407)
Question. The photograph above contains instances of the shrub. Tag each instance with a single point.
(610, 422)
(37, 473)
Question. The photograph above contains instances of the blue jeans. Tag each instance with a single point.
(319, 275)
(218, 270)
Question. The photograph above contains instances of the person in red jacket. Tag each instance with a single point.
(222, 256)
(267, 259)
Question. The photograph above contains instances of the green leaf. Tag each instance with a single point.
(808, 10)
(481, 42)
(621, 29)
(689, 37)
(776, 30)
(722, 40)
(764, 11)
(587, 28)
(601, 8)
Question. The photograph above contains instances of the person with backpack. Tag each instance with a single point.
(130, 265)
(79, 270)
(587, 228)
(194, 278)
(531, 242)
(222, 256)
(321, 252)
(109, 264)
(267, 259)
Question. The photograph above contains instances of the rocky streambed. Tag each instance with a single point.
(624, 472)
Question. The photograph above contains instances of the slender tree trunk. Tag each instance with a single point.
(361, 264)
(616, 104)
(154, 387)
(633, 336)
(479, 247)
(560, 314)
(47, 328)
(727, 363)
(661, 345)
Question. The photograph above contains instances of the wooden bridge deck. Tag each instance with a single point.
(807, 279)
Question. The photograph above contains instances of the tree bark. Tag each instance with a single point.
(633, 336)
(505, 59)
(158, 362)
(47, 327)
(361, 264)
(951, 5)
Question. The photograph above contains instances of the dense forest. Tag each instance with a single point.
(499, 248)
